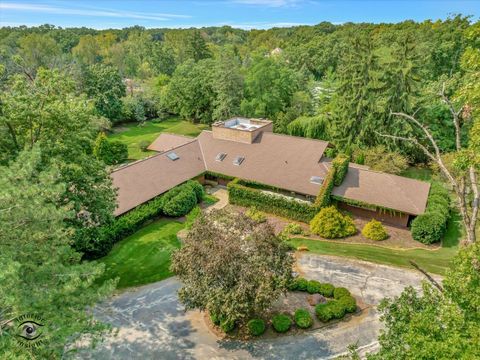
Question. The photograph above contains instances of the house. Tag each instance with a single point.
(248, 149)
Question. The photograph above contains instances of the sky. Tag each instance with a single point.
(245, 14)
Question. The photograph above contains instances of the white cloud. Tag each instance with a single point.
(89, 12)
(269, 3)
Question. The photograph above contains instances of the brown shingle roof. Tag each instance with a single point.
(166, 141)
(386, 190)
(283, 161)
(143, 180)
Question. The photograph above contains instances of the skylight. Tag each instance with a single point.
(238, 160)
(173, 156)
(220, 156)
(316, 180)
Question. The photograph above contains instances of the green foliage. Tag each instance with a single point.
(180, 200)
(340, 292)
(256, 215)
(133, 108)
(314, 127)
(256, 327)
(374, 230)
(220, 270)
(332, 224)
(313, 287)
(293, 229)
(326, 290)
(340, 163)
(143, 145)
(349, 303)
(281, 323)
(227, 326)
(303, 319)
(378, 158)
(242, 193)
(110, 152)
(332, 309)
(429, 227)
(298, 284)
(323, 197)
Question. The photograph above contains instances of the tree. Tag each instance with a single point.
(231, 266)
(379, 159)
(110, 152)
(87, 51)
(42, 276)
(440, 323)
(104, 85)
(269, 87)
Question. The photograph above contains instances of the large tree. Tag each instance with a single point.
(231, 266)
(42, 277)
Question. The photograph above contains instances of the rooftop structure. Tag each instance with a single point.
(241, 129)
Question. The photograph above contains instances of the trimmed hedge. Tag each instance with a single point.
(332, 309)
(332, 224)
(180, 200)
(281, 323)
(340, 163)
(248, 194)
(431, 226)
(303, 319)
(256, 327)
(323, 197)
(374, 230)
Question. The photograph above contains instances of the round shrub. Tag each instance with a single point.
(302, 284)
(324, 311)
(338, 310)
(197, 188)
(326, 289)
(293, 229)
(313, 287)
(332, 224)
(340, 292)
(256, 327)
(429, 227)
(256, 215)
(374, 230)
(281, 323)
(303, 319)
(181, 204)
(348, 303)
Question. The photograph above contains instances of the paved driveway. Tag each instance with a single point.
(153, 325)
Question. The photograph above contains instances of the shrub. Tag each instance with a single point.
(247, 193)
(256, 215)
(326, 289)
(299, 284)
(323, 197)
(227, 326)
(340, 292)
(430, 226)
(256, 327)
(313, 287)
(349, 303)
(340, 163)
(281, 323)
(293, 229)
(110, 152)
(215, 319)
(374, 230)
(332, 309)
(303, 319)
(197, 188)
(181, 204)
(143, 145)
(331, 224)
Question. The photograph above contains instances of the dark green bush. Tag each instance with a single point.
(301, 284)
(281, 323)
(332, 224)
(431, 226)
(181, 204)
(338, 310)
(349, 303)
(340, 292)
(303, 319)
(324, 311)
(248, 194)
(256, 327)
(197, 188)
(326, 289)
(215, 319)
(111, 152)
(313, 287)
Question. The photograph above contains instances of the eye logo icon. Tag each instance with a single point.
(29, 330)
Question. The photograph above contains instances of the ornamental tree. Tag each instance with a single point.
(231, 266)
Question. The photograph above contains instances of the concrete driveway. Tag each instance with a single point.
(153, 325)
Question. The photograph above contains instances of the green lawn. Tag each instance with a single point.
(133, 134)
(143, 257)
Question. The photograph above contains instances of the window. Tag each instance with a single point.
(173, 156)
(220, 156)
(238, 160)
(316, 180)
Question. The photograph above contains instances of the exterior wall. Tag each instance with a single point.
(247, 137)
(398, 219)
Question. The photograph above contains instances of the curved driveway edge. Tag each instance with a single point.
(153, 325)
